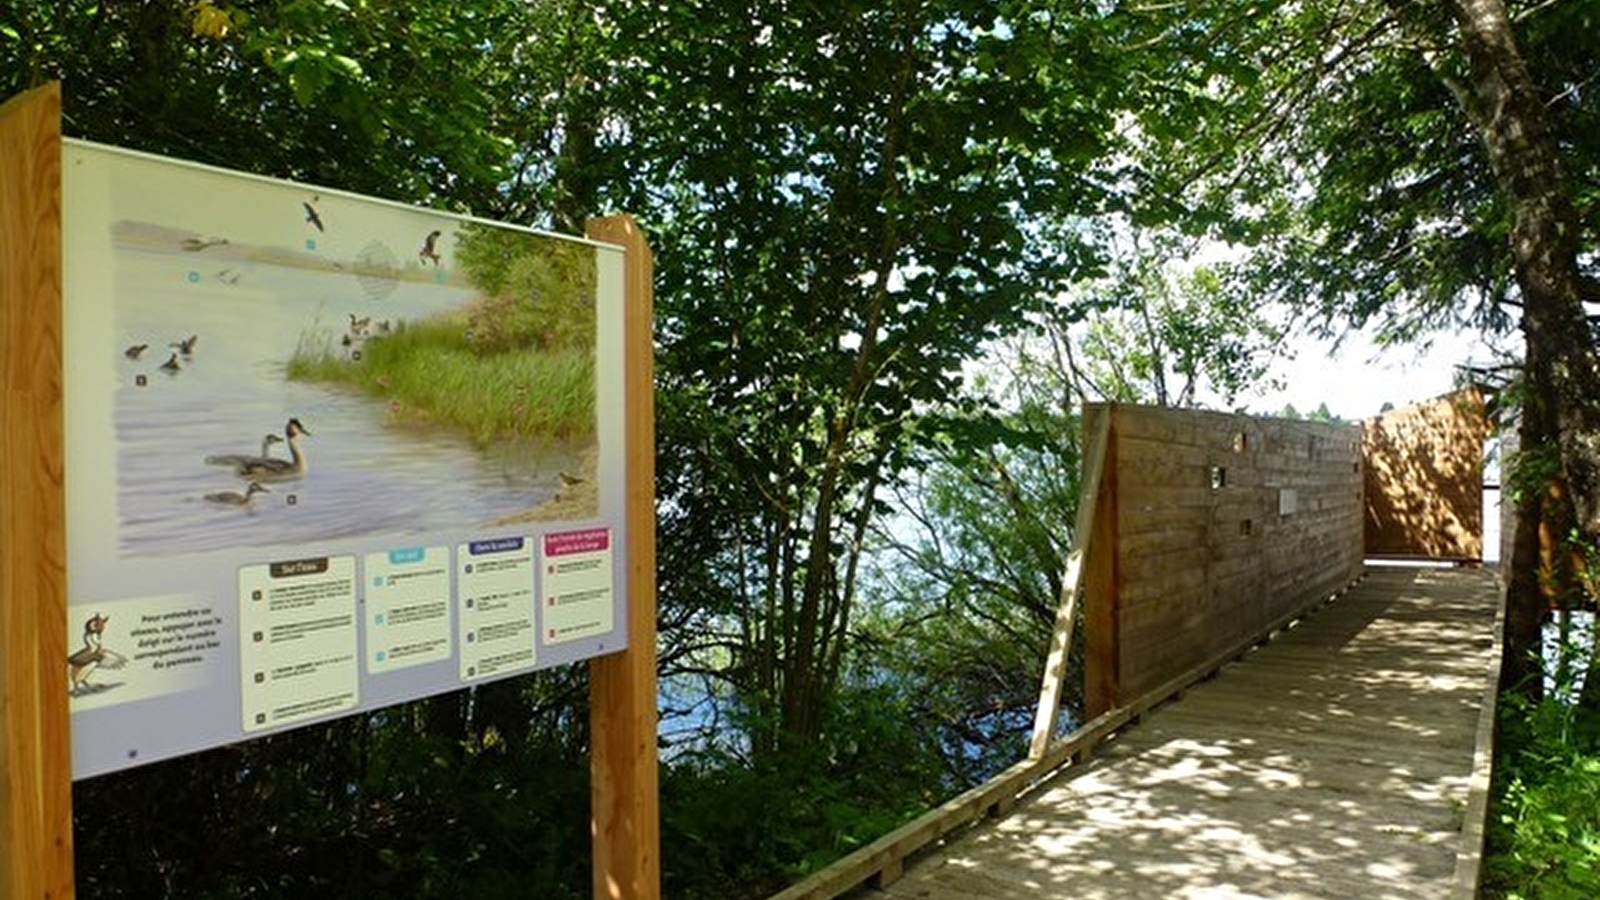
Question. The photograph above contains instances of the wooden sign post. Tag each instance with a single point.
(35, 751)
(622, 686)
(38, 706)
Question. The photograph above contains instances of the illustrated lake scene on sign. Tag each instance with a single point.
(295, 367)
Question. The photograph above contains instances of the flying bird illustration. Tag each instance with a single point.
(312, 217)
(429, 251)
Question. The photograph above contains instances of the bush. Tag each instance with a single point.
(1544, 834)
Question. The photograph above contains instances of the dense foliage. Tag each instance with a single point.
(1544, 828)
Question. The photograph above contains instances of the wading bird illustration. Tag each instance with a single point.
(234, 498)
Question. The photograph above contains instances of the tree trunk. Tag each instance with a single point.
(1558, 406)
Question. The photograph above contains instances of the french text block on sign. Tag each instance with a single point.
(576, 590)
(297, 640)
(408, 608)
(495, 580)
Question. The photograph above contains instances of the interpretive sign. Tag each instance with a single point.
(324, 453)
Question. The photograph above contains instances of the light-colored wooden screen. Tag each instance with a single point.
(1425, 479)
(1210, 529)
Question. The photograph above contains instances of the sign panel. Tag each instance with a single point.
(325, 454)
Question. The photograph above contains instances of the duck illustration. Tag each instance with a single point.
(240, 459)
(135, 351)
(93, 654)
(311, 215)
(234, 498)
(186, 345)
(270, 469)
(171, 366)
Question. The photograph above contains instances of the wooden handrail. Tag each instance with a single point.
(1475, 817)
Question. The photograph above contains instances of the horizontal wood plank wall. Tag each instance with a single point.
(1217, 526)
(1424, 491)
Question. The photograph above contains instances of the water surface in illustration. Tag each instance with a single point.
(205, 339)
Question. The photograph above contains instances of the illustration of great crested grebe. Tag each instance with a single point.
(235, 498)
(235, 460)
(271, 469)
(92, 656)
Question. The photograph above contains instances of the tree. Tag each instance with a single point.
(966, 576)
(849, 192)
(373, 98)
(1171, 336)
(1560, 410)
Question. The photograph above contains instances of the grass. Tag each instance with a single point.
(430, 373)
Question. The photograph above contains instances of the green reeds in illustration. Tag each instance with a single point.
(431, 371)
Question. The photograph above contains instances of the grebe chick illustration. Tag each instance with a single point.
(234, 498)
(280, 469)
(243, 459)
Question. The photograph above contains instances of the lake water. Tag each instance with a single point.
(365, 474)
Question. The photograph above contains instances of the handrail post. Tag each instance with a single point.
(1053, 683)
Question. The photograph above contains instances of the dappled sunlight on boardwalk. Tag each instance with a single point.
(1333, 762)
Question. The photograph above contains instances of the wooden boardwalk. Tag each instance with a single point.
(1339, 760)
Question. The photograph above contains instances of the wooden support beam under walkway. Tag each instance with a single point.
(1347, 758)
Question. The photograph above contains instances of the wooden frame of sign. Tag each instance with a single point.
(36, 858)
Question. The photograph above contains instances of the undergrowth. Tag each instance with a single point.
(1544, 829)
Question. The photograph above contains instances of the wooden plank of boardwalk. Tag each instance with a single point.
(1332, 762)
